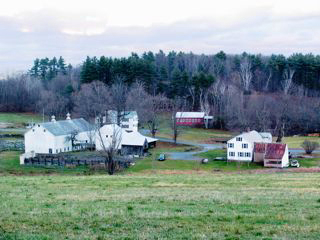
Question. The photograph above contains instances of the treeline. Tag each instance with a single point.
(175, 73)
(274, 92)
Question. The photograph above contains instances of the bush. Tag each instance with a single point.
(309, 146)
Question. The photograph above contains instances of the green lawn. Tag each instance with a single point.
(152, 206)
(295, 142)
(189, 133)
(19, 118)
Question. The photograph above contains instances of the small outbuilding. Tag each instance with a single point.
(272, 154)
(128, 143)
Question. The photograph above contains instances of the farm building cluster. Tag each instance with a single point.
(257, 147)
(120, 131)
(77, 134)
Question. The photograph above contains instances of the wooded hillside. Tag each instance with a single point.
(247, 90)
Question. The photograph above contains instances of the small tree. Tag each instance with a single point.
(111, 149)
(72, 137)
(309, 146)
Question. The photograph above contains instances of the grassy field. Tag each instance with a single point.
(295, 142)
(203, 206)
(188, 133)
(19, 118)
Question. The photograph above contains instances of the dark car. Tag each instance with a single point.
(162, 157)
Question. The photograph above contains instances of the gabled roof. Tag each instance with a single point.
(65, 127)
(255, 137)
(259, 148)
(190, 115)
(133, 139)
(275, 150)
(271, 150)
(127, 138)
(150, 139)
(252, 136)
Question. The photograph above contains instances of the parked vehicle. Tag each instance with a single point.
(294, 163)
(162, 157)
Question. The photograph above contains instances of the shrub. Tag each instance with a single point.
(309, 146)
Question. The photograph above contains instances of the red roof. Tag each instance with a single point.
(259, 147)
(275, 150)
(271, 150)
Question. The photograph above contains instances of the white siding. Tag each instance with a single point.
(285, 158)
(39, 141)
(238, 150)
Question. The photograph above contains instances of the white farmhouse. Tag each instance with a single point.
(58, 136)
(129, 143)
(240, 148)
(129, 119)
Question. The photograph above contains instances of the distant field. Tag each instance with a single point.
(189, 133)
(295, 142)
(152, 206)
(18, 120)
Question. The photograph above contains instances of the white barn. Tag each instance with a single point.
(240, 148)
(126, 142)
(55, 136)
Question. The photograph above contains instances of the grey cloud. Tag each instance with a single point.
(256, 33)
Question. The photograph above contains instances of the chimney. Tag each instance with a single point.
(68, 116)
(53, 118)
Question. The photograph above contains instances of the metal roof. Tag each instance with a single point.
(66, 127)
(271, 150)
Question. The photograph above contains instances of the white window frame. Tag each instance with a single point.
(239, 139)
(245, 145)
(240, 154)
(247, 154)
(231, 145)
(232, 154)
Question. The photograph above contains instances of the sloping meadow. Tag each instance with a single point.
(188, 206)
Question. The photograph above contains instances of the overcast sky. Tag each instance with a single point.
(75, 29)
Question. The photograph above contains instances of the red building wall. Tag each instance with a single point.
(189, 121)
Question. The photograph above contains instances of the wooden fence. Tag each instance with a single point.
(61, 160)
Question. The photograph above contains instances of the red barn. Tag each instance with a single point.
(190, 118)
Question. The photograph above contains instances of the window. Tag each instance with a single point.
(240, 154)
(64, 149)
(244, 145)
(239, 139)
(32, 130)
(38, 125)
(247, 154)
(50, 150)
(231, 145)
(44, 130)
(56, 150)
(232, 154)
(106, 136)
(68, 148)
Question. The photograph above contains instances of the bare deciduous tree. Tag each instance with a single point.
(119, 93)
(245, 73)
(110, 149)
(92, 99)
(287, 80)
